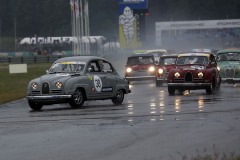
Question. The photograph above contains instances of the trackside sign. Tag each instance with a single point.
(209, 24)
(182, 25)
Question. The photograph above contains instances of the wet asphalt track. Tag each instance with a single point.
(149, 125)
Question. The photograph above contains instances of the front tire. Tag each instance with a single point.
(159, 83)
(171, 90)
(35, 105)
(77, 99)
(209, 89)
(119, 97)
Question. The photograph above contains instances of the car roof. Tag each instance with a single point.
(80, 58)
(228, 50)
(139, 51)
(156, 50)
(168, 55)
(141, 55)
(194, 54)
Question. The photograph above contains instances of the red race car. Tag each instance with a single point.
(194, 71)
(166, 63)
(140, 67)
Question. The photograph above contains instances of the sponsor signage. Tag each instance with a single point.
(210, 24)
(181, 25)
(133, 4)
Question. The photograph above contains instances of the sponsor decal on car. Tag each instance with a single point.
(97, 83)
(90, 78)
(107, 89)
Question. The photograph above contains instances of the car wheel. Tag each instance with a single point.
(119, 97)
(171, 90)
(209, 89)
(159, 83)
(35, 105)
(77, 99)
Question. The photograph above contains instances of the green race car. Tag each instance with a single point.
(229, 65)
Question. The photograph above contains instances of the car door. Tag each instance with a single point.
(108, 78)
(95, 79)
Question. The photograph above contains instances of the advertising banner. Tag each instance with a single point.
(129, 23)
(133, 4)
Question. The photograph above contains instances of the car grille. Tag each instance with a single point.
(229, 73)
(56, 91)
(45, 88)
(35, 92)
(188, 77)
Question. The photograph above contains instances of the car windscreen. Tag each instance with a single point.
(167, 60)
(140, 60)
(228, 56)
(67, 67)
(201, 60)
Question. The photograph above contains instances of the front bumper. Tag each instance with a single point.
(231, 80)
(142, 78)
(189, 85)
(49, 99)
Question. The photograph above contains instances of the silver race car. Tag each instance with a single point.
(75, 80)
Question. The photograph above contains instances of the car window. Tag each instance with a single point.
(94, 67)
(106, 67)
(67, 67)
(192, 60)
(229, 57)
(167, 61)
(140, 60)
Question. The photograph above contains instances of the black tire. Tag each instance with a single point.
(209, 89)
(119, 97)
(159, 83)
(35, 105)
(77, 99)
(171, 90)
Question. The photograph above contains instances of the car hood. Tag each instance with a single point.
(229, 64)
(190, 67)
(62, 77)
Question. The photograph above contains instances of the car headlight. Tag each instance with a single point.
(128, 70)
(160, 71)
(200, 74)
(218, 68)
(34, 85)
(58, 85)
(177, 74)
(151, 69)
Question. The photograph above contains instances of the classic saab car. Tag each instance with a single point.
(229, 65)
(75, 80)
(140, 67)
(166, 63)
(194, 71)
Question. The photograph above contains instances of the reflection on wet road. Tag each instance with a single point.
(146, 103)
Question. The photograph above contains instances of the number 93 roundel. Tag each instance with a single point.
(97, 83)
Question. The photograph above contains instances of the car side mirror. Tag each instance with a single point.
(90, 69)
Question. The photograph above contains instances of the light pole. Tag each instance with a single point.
(0, 36)
(15, 34)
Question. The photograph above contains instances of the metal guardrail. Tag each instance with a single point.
(31, 59)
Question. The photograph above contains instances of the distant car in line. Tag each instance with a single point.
(194, 71)
(75, 80)
(140, 67)
(155, 52)
(229, 65)
(166, 63)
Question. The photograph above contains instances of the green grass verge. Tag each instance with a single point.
(14, 86)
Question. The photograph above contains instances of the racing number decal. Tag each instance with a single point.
(97, 83)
